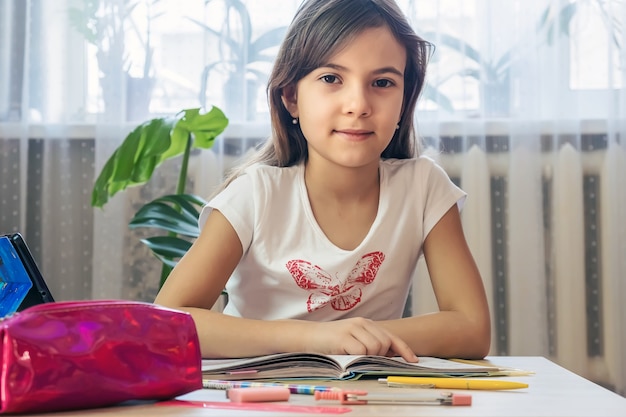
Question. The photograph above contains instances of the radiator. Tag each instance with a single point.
(549, 237)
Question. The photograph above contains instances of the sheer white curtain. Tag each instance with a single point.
(525, 109)
(76, 76)
(529, 116)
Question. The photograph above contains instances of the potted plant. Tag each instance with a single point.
(241, 58)
(133, 163)
(494, 72)
(557, 18)
(104, 24)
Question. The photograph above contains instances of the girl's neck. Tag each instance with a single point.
(340, 183)
(344, 201)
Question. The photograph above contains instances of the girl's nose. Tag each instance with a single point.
(357, 101)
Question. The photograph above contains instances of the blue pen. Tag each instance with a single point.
(293, 388)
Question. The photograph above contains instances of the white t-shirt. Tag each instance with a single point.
(290, 269)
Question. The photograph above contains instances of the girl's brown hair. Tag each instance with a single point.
(319, 29)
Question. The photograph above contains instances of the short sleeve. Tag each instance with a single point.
(441, 194)
(236, 203)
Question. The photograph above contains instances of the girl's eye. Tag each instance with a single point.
(330, 79)
(383, 83)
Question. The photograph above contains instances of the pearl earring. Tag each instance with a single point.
(294, 121)
(397, 126)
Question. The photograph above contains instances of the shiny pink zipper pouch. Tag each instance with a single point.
(87, 354)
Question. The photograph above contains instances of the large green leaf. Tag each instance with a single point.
(168, 247)
(164, 218)
(175, 213)
(159, 209)
(151, 143)
(187, 202)
(204, 127)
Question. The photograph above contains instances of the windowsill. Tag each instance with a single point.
(90, 130)
(493, 127)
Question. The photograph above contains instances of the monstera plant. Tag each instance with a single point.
(134, 162)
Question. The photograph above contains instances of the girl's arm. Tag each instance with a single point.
(197, 281)
(461, 329)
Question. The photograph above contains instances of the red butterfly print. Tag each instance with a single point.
(342, 294)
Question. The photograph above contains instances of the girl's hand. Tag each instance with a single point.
(355, 336)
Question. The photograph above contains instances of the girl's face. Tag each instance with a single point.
(349, 107)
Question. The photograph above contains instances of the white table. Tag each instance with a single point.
(552, 391)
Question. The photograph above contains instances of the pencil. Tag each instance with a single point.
(451, 383)
(293, 388)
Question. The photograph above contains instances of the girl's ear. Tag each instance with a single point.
(290, 100)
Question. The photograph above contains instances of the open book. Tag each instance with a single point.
(333, 367)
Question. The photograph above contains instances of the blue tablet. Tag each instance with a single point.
(16, 249)
(14, 280)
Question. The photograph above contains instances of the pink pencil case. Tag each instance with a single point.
(87, 354)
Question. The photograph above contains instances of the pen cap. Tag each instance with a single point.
(258, 394)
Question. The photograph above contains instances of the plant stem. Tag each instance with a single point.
(180, 189)
(182, 178)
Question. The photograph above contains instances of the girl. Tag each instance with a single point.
(317, 238)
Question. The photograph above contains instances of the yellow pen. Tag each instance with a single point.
(450, 383)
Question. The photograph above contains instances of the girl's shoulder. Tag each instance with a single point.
(266, 180)
(258, 179)
(272, 174)
(422, 170)
(422, 163)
